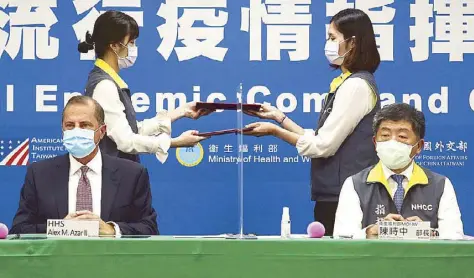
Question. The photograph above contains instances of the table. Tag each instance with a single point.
(226, 258)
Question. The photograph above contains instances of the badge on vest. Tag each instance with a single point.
(404, 230)
(72, 228)
(422, 207)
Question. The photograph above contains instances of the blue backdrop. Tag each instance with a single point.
(201, 50)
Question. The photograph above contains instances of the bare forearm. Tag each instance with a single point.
(288, 124)
(291, 126)
(176, 114)
(286, 135)
(175, 143)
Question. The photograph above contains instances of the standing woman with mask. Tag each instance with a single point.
(341, 146)
(113, 40)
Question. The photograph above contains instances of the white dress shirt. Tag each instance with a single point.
(94, 174)
(349, 214)
(354, 99)
(154, 135)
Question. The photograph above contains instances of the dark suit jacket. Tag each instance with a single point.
(126, 196)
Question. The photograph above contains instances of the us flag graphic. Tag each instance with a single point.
(14, 152)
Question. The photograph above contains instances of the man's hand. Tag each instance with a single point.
(373, 229)
(414, 218)
(104, 228)
(394, 217)
(73, 215)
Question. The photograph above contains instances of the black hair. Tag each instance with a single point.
(110, 27)
(85, 100)
(401, 112)
(355, 25)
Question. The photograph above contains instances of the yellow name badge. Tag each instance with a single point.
(404, 230)
(60, 228)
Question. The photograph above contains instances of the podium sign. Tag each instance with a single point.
(56, 228)
(405, 230)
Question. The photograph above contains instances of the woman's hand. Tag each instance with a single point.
(190, 111)
(261, 129)
(187, 139)
(267, 112)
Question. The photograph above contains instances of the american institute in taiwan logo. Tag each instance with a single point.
(14, 152)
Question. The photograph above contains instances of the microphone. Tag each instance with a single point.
(316, 230)
(3, 231)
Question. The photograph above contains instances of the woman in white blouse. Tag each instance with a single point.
(113, 40)
(342, 144)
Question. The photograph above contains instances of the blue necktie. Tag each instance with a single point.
(400, 193)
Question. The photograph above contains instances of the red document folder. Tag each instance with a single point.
(227, 106)
(225, 131)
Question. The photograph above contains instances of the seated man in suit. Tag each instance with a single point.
(397, 189)
(86, 184)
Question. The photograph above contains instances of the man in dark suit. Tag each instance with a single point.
(86, 184)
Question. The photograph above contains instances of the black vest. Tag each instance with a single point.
(356, 153)
(107, 145)
(421, 200)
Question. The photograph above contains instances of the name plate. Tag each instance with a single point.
(72, 228)
(405, 230)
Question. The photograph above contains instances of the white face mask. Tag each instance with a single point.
(393, 154)
(129, 60)
(331, 50)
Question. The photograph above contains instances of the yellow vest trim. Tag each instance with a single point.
(336, 82)
(374, 96)
(111, 72)
(418, 177)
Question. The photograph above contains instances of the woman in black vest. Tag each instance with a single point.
(113, 40)
(342, 144)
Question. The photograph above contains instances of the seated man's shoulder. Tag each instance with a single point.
(431, 174)
(50, 162)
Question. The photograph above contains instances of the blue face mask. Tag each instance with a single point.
(79, 142)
